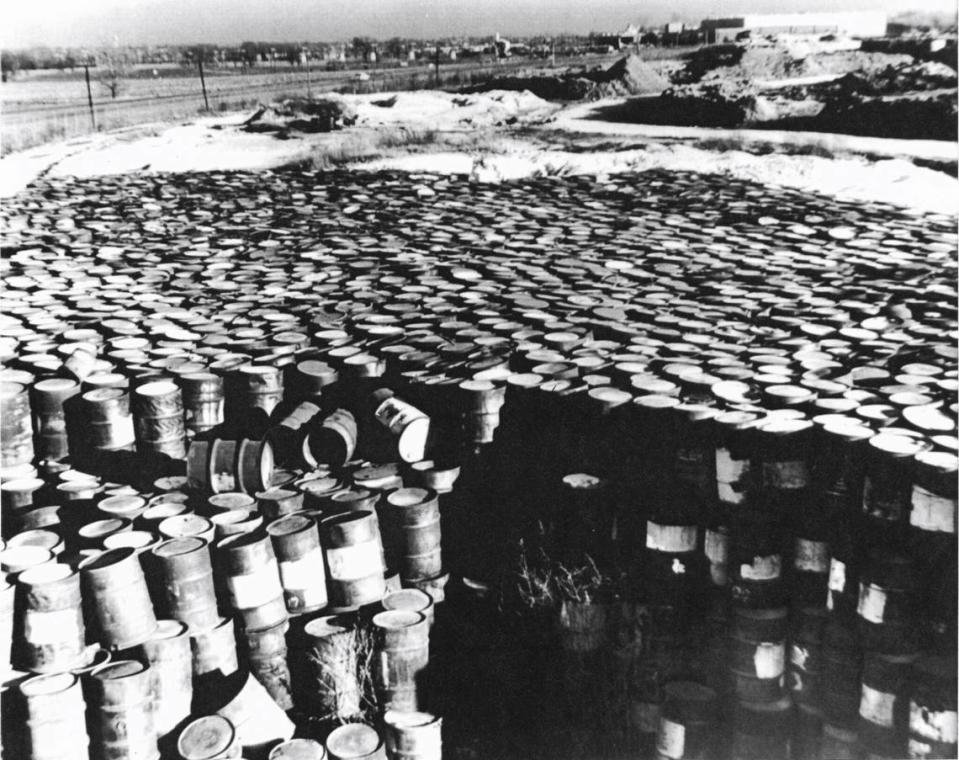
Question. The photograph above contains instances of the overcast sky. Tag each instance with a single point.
(135, 22)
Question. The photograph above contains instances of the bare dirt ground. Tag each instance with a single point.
(503, 135)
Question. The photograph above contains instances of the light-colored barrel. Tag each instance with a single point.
(402, 655)
(253, 579)
(122, 712)
(298, 749)
(236, 521)
(16, 446)
(354, 559)
(158, 419)
(48, 398)
(114, 586)
(413, 735)
(409, 427)
(355, 741)
(55, 715)
(296, 543)
(108, 421)
(51, 623)
(202, 394)
(171, 675)
(412, 600)
(179, 526)
(214, 649)
(211, 737)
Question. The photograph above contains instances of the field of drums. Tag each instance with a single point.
(303, 464)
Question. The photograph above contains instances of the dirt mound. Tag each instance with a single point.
(894, 80)
(630, 75)
(302, 115)
(779, 61)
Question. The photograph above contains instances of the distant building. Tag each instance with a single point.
(852, 24)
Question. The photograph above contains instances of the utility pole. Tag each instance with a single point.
(308, 93)
(436, 63)
(86, 74)
(199, 60)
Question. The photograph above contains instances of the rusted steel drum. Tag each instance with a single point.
(17, 426)
(198, 473)
(758, 654)
(202, 400)
(884, 703)
(254, 466)
(414, 513)
(51, 632)
(253, 579)
(402, 657)
(170, 675)
(158, 419)
(331, 643)
(266, 651)
(122, 709)
(296, 543)
(211, 737)
(48, 398)
(116, 590)
(107, 422)
(333, 441)
(55, 716)
(252, 392)
(276, 502)
(355, 741)
(221, 463)
(354, 559)
(762, 730)
(413, 736)
(687, 723)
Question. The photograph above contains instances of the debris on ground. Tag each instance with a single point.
(302, 115)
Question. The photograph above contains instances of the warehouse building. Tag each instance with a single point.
(852, 24)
